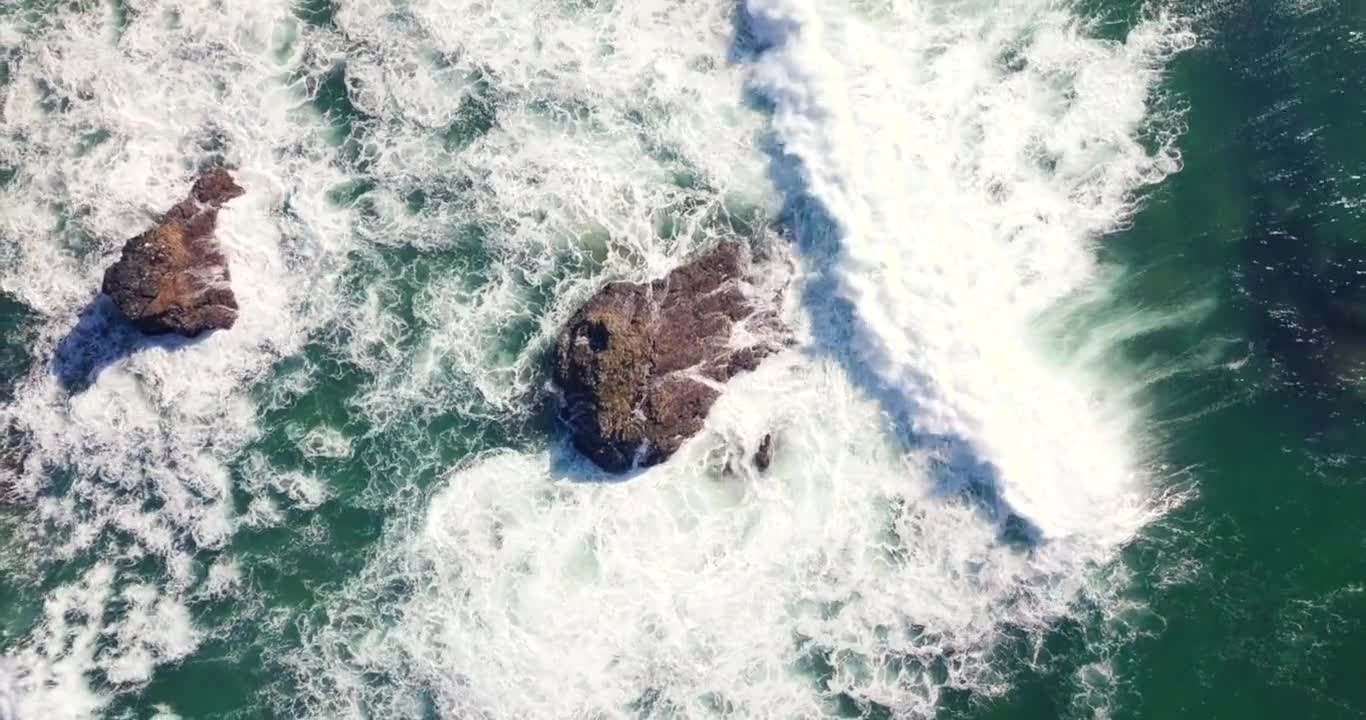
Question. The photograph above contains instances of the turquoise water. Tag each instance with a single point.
(1070, 429)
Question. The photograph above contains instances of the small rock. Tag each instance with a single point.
(174, 277)
(763, 457)
(640, 365)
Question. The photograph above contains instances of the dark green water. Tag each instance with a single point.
(1248, 600)
(1267, 220)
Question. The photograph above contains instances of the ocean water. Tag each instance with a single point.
(1070, 429)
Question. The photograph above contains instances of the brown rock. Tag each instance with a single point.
(174, 278)
(639, 366)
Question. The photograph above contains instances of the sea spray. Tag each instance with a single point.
(964, 171)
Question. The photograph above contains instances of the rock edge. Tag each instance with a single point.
(174, 277)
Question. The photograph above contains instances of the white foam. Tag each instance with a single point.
(704, 592)
(164, 712)
(964, 197)
(322, 442)
(854, 567)
(7, 692)
(46, 677)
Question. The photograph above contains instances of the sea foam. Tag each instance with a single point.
(953, 169)
(944, 172)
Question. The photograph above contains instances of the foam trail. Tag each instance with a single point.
(964, 194)
(7, 693)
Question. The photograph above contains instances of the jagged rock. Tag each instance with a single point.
(174, 278)
(640, 365)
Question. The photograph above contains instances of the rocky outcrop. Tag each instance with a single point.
(640, 365)
(174, 277)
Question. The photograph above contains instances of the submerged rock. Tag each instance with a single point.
(640, 365)
(174, 277)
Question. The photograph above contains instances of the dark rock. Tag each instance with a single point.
(174, 278)
(763, 457)
(640, 365)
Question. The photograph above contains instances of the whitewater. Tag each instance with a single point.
(356, 493)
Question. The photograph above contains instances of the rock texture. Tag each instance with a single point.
(640, 365)
(174, 278)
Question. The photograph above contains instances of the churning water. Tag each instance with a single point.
(351, 499)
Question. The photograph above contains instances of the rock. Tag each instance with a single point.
(640, 365)
(763, 457)
(174, 278)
